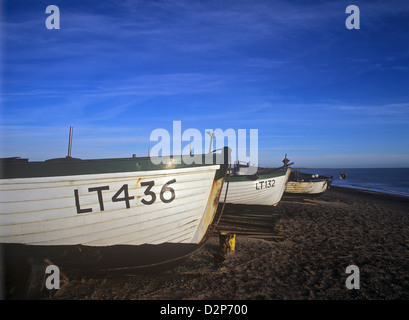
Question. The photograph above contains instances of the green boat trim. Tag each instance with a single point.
(22, 168)
(254, 177)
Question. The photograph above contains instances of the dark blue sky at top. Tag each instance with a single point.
(117, 70)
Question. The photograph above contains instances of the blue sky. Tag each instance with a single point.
(117, 70)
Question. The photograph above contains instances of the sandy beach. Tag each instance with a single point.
(298, 250)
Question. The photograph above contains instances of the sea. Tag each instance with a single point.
(385, 180)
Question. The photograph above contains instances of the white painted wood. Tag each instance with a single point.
(251, 191)
(42, 211)
(307, 187)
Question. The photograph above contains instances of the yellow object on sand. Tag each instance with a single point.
(227, 242)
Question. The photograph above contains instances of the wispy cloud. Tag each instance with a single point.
(393, 109)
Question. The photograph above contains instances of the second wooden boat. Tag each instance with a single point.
(266, 187)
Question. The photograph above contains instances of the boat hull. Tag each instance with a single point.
(266, 189)
(123, 218)
(306, 187)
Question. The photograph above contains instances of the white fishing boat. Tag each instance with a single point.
(266, 187)
(305, 183)
(108, 213)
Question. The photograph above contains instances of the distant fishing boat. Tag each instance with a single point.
(306, 183)
(265, 187)
(108, 213)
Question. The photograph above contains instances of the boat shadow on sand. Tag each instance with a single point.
(25, 275)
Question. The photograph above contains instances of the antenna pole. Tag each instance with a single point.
(70, 144)
(211, 134)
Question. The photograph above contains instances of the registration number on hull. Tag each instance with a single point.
(265, 184)
(166, 195)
